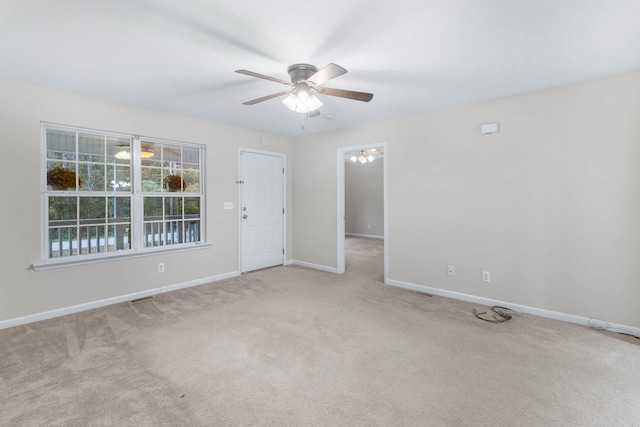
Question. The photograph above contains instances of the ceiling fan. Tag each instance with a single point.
(306, 82)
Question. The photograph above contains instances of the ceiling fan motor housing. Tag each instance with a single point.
(301, 72)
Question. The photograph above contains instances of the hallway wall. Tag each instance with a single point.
(364, 198)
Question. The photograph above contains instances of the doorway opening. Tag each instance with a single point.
(361, 224)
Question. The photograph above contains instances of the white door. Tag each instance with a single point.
(261, 210)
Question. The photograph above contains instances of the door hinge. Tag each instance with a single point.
(240, 182)
(282, 211)
(282, 251)
(282, 171)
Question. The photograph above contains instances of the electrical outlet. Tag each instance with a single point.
(161, 267)
(451, 271)
(486, 276)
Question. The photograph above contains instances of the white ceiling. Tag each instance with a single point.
(414, 55)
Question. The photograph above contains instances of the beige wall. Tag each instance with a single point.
(27, 292)
(550, 205)
(364, 197)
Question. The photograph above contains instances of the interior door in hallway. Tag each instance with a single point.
(261, 210)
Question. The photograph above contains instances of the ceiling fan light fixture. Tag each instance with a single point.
(362, 157)
(145, 154)
(302, 102)
(306, 81)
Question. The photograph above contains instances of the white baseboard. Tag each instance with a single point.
(9, 323)
(368, 236)
(288, 262)
(183, 285)
(315, 266)
(224, 276)
(580, 320)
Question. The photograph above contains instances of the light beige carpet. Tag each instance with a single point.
(297, 347)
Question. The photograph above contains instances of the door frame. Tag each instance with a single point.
(239, 201)
(340, 219)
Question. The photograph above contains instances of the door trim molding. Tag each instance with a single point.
(341, 204)
(239, 201)
(315, 266)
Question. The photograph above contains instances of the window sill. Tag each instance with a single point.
(89, 259)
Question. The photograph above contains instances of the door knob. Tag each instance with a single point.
(244, 216)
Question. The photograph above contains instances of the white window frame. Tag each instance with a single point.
(137, 203)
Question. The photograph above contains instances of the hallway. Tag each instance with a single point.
(364, 257)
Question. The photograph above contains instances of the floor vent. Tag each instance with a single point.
(139, 300)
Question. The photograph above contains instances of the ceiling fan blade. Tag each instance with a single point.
(262, 76)
(375, 151)
(351, 94)
(325, 74)
(314, 113)
(265, 98)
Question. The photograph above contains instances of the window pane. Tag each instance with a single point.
(92, 176)
(57, 164)
(56, 242)
(151, 180)
(192, 231)
(61, 176)
(171, 156)
(172, 232)
(190, 158)
(92, 210)
(119, 150)
(192, 179)
(173, 207)
(119, 238)
(119, 178)
(102, 242)
(63, 241)
(172, 180)
(152, 234)
(152, 208)
(119, 209)
(191, 207)
(151, 154)
(148, 153)
(92, 239)
(61, 144)
(63, 209)
(91, 148)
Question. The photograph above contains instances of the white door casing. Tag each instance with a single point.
(261, 210)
